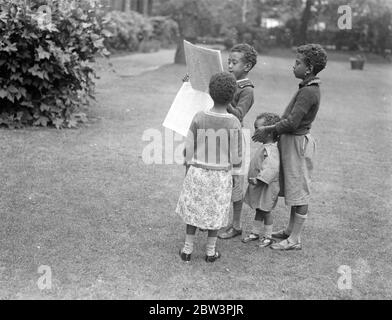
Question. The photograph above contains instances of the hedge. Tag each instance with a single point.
(46, 73)
(127, 30)
(131, 31)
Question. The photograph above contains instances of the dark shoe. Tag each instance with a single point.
(250, 237)
(281, 234)
(286, 245)
(185, 256)
(265, 242)
(213, 258)
(230, 233)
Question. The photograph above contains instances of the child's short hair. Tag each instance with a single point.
(314, 55)
(269, 120)
(222, 87)
(250, 54)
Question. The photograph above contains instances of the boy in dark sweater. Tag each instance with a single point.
(297, 146)
(242, 59)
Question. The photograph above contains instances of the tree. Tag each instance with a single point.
(141, 6)
(371, 21)
(305, 19)
(191, 16)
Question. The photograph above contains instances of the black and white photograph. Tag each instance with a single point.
(195, 150)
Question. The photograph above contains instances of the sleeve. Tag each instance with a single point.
(303, 103)
(236, 145)
(270, 168)
(244, 104)
(190, 142)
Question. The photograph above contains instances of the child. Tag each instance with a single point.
(242, 59)
(263, 178)
(297, 147)
(205, 199)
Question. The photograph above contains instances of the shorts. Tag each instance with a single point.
(297, 156)
(237, 193)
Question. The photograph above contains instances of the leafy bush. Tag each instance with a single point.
(127, 30)
(165, 30)
(255, 36)
(45, 69)
(230, 36)
(147, 46)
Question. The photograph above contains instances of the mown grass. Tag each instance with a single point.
(84, 203)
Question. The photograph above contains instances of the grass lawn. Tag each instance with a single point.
(84, 203)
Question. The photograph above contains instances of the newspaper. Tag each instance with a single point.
(186, 104)
(193, 96)
(201, 64)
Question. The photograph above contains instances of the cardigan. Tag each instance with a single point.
(243, 99)
(214, 141)
(302, 110)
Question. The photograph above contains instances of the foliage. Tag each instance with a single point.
(372, 25)
(192, 16)
(127, 30)
(147, 46)
(165, 30)
(131, 31)
(230, 36)
(371, 22)
(45, 64)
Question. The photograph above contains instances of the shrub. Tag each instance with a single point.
(148, 46)
(46, 75)
(127, 30)
(165, 30)
(230, 36)
(255, 36)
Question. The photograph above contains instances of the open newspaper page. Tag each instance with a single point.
(201, 64)
(193, 96)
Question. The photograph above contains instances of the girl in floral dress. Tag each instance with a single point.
(213, 152)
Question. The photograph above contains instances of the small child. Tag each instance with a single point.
(263, 177)
(242, 59)
(213, 149)
(297, 146)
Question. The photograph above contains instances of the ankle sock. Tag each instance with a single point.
(257, 227)
(188, 246)
(268, 230)
(210, 247)
(299, 221)
(289, 228)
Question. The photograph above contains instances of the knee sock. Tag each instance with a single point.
(268, 230)
(257, 226)
(188, 246)
(299, 221)
(237, 208)
(210, 248)
(291, 221)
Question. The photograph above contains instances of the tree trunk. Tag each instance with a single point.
(259, 11)
(189, 26)
(179, 58)
(244, 10)
(127, 5)
(139, 6)
(145, 7)
(150, 6)
(302, 32)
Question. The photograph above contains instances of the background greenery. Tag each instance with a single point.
(47, 77)
(45, 68)
(84, 203)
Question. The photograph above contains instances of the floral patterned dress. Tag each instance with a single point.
(205, 198)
